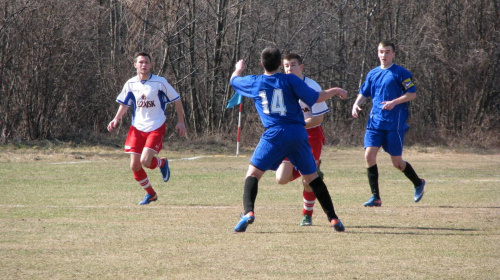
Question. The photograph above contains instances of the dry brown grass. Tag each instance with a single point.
(71, 213)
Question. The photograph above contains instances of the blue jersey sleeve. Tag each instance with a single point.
(407, 81)
(305, 93)
(244, 85)
(365, 89)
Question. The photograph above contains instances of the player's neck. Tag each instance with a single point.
(144, 77)
(385, 67)
(272, 72)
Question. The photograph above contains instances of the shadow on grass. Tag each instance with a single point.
(415, 230)
(391, 230)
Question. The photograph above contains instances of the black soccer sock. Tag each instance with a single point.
(412, 175)
(323, 196)
(250, 193)
(373, 180)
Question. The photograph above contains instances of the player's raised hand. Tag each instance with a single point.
(240, 65)
(238, 68)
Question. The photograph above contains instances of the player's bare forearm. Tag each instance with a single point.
(180, 127)
(407, 97)
(329, 93)
(314, 121)
(238, 68)
(119, 114)
(356, 106)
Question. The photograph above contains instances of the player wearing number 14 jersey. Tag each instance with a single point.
(276, 97)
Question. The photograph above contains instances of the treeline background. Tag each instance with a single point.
(62, 62)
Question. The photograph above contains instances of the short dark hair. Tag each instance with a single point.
(291, 56)
(271, 58)
(137, 54)
(387, 43)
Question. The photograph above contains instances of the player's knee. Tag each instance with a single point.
(370, 160)
(146, 163)
(135, 167)
(281, 180)
(399, 165)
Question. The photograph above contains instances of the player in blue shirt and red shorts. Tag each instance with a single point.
(313, 117)
(276, 97)
(148, 95)
(390, 88)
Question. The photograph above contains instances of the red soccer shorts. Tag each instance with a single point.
(138, 140)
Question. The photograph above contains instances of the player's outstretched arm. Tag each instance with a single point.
(329, 93)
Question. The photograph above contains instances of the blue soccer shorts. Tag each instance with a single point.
(390, 140)
(276, 143)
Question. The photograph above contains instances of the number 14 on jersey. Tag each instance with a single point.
(277, 102)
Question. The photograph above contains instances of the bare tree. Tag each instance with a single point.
(62, 66)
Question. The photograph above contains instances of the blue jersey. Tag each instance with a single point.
(386, 85)
(276, 97)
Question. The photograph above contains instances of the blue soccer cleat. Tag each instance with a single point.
(419, 192)
(337, 225)
(148, 199)
(373, 202)
(244, 222)
(165, 171)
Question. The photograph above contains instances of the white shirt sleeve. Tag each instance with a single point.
(318, 108)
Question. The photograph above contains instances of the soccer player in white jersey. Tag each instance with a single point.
(390, 88)
(276, 98)
(148, 96)
(313, 116)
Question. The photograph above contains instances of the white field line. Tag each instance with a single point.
(170, 160)
(116, 207)
(71, 162)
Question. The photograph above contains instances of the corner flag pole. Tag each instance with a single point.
(239, 131)
(237, 99)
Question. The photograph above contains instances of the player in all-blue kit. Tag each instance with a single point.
(390, 88)
(148, 95)
(276, 97)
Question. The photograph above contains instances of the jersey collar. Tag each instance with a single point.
(144, 81)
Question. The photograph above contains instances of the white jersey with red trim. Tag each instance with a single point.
(148, 100)
(318, 108)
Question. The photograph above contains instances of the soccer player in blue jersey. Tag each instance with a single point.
(276, 97)
(148, 95)
(390, 88)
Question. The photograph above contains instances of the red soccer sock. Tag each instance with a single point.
(142, 178)
(309, 199)
(156, 162)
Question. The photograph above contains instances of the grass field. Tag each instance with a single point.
(71, 213)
